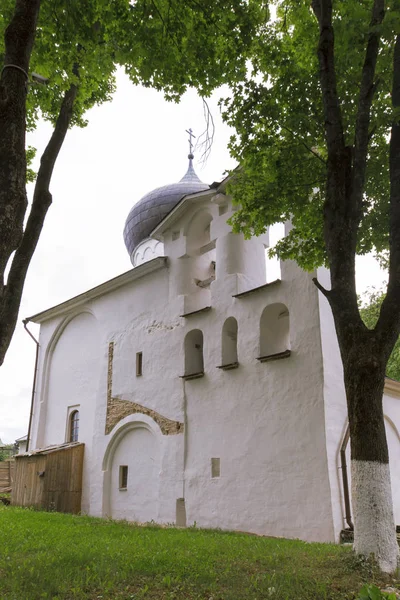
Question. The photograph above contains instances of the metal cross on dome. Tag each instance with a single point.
(191, 135)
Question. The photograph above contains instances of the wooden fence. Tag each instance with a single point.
(50, 479)
(6, 475)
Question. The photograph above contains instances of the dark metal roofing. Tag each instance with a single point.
(155, 205)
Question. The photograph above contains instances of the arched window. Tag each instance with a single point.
(194, 362)
(274, 332)
(74, 426)
(229, 344)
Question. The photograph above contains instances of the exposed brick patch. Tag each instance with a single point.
(119, 409)
(110, 372)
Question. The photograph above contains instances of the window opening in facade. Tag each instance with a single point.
(273, 263)
(139, 364)
(274, 331)
(194, 362)
(229, 343)
(123, 477)
(74, 426)
(215, 468)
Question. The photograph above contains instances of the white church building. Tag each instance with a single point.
(204, 393)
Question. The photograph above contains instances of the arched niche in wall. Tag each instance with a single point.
(198, 232)
(274, 331)
(193, 347)
(72, 377)
(147, 250)
(131, 468)
(200, 255)
(276, 233)
(229, 355)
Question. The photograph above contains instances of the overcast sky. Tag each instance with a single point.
(130, 146)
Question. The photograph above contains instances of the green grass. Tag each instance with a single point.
(66, 557)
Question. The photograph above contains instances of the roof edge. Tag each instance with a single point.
(99, 290)
(176, 212)
(49, 449)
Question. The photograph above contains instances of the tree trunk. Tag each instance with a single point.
(19, 38)
(374, 526)
(11, 297)
(364, 353)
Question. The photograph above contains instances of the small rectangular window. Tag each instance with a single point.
(139, 364)
(123, 477)
(215, 467)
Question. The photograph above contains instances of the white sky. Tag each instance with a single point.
(131, 146)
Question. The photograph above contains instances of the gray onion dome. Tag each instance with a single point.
(155, 205)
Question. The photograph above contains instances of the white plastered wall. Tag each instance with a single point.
(155, 464)
(264, 421)
(132, 318)
(71, 382)
(335, 402)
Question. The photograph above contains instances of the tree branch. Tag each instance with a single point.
(41, 202)
(166, 27)
(333, 118)
(367, 91)
(20, 33)
(19, 38)
(340, 220)
(42, 198)
(321, 288)
(305, 145)
(389, 319)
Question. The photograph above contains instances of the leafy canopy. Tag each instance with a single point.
(279, 142)
(165, 44)
(370, 307)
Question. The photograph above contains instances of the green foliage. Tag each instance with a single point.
(369, 310)
(165, 44)
(278, 118)
(371, 592)
(66, 557)
(30, 155)
(6, 451)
